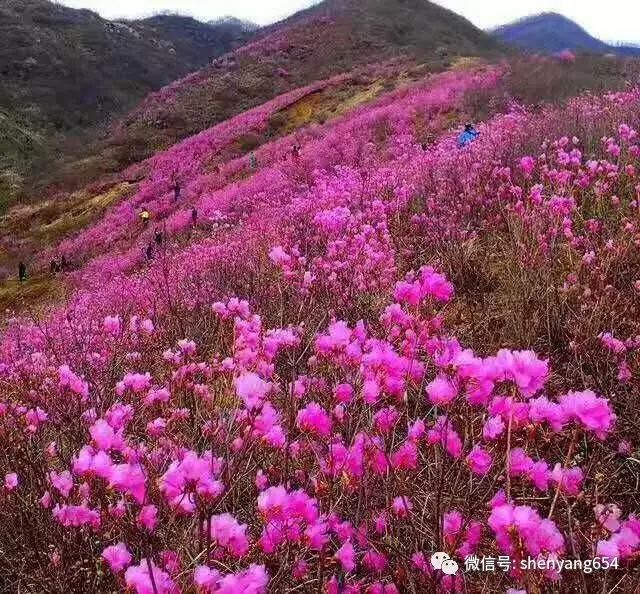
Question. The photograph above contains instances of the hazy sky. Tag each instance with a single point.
(611, 20)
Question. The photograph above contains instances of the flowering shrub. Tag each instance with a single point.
(302, 394)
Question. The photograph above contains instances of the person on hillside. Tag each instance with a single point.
(54, 267)
(468, 136)
(157, 236)
(22, 271)
(253, 161)
(144, 216)
(148, 252)
(176, 190)
(295, 152)
(63, 263)
(429, 140)
(194, 215)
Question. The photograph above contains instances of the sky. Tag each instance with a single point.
(613, 20)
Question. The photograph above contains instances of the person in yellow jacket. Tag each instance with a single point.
(144, 216)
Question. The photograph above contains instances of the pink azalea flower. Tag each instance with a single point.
(129, 479)
(527, 165)
(493, 428)
(63, 482)
(441, 390)
(117, 556)
(138, 578)
(226, 532)
(479, 460)
(104, 436)
(607, 549)
(10, 481)
(315, 419)
(401, 506)
(113, 325)
(148, 517)
(593, 412)
(252, 389)
(608, 516)
(405, 457)
(346, 556)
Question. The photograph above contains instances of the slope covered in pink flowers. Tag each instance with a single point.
(331, 37)
(347, 360)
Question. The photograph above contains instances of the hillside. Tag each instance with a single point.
(313, 368)
(62, 69)
(551, 33)
(332, 37)
(315, 339)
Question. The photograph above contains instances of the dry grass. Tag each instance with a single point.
(32, 294)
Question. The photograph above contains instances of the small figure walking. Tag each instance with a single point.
(22, 271)
(295, 152)
(253, 161)
(149, 252)
(54, 267)
(468, 136)
(144, 216)
(157, 237)
(194, 215)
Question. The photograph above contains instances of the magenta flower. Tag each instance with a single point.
(148, 518)
(315, 419)
(493, 428)
(434, 284)
(62, 481)
(441, 390)
(607, 549)
(344, 393)
(593, 412)
(540, 536)
(113, 325)
(527, 165)
(401, 506)
(608, 516)
(138, 578)
(77, 515)
(251, 389)
(206, 579)
(68, 379)
(10, 481)
(105, 437)
(479, 460)
(129, 479)
(346, 556)
(117, 556)
(405, 457)
(190, 476)
(227, 533)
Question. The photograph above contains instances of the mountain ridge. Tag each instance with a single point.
(330, 38)
(552, 32)
(63, 69)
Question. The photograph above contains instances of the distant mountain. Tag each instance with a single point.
(332, 37)
(61, 68)
(551, 32)
(235, 23)
(193, 40)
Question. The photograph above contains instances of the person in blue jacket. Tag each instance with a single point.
(468, 136)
